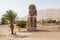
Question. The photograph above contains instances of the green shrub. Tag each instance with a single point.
(51, 21)
(4, 21)
(22, 24)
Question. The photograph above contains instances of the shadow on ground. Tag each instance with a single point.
(39, 31)
(20, 36)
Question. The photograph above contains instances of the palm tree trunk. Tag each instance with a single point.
(12, 28)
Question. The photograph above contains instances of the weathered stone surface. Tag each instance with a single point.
(32, 17)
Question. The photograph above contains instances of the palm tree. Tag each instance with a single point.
(11, 16)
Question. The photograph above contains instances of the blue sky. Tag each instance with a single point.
(21, 6)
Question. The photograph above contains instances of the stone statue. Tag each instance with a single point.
(32, 21)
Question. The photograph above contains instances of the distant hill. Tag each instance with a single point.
(47, 13)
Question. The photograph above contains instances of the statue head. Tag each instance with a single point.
(32, 6)
(32, 10)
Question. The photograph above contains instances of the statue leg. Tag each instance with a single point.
(29, 23)
(34, 23)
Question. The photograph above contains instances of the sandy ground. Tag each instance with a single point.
(54, 28)
(41, 35)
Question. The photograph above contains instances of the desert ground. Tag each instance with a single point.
(38, 35)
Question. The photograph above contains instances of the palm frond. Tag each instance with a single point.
(10, 15)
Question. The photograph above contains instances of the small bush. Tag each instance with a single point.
(4, 21)
(51, 21)
(22, 24)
